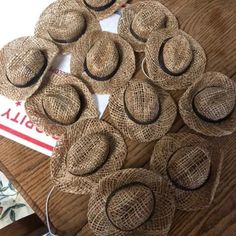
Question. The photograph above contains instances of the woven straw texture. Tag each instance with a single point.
(208, 106)
(102, 8)
(192, 165)
(64, 22)
(24, 63)
(109, 58)
(142, 111)
(61, 103)
(139, 20)
(85, 153)
(131, 202)
(174, 59)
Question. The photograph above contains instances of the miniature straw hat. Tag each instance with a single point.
(139, 20)
(64, 22)
(142, 111)
(174, 59)
(208, 106)
(61, 103)
(24, 63)
(102, 8)
(84, 154)
(192, 165)
(105, 60)
(131, 202)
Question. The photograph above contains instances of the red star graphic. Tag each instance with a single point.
(18, 103)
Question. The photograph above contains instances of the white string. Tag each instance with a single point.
(142, 66)
(47, 214)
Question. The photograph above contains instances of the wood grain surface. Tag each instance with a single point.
(213, 24)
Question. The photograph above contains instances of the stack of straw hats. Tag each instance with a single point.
(184, 169)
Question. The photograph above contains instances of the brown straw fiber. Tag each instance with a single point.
(131, 202)
(85, 153)
(142, 111)
(102, 8)
(60, 104)
(192, 165)
(208, 106)
(105, 60)
(174, 59)
(139, 20)
(24, 63)
(65, 22)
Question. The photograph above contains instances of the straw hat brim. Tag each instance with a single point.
(41, 28)
(161, 78)
(36, 112)
(195, 199)
(141, 132)
(124, 72)
(128, 17)
(84, 184)
(102, 14)
(158, 224)
(209, 79)
(10, 50)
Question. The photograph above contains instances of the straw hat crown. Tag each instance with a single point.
(142, 111)
(141, 19)
(144, 22)
(214, 103)
(174, 59)
(103, 58)
(62, 104)
(68, 27)
(25, 66)
(189, 167)
(141, 101)
(88, 154)
(95, 3)
(122, 205)
(177, 54)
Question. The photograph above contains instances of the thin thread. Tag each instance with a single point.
(47, 213)
(142, 67)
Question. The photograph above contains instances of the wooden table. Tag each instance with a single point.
(213, 24)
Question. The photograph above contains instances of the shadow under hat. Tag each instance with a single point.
(60, 104)
(105, 60)
(174, 59)
(208, 106)
(64, 22)
(102, 8)
(84, 154)
(139, 20)
(192, 165)
(24, 63)
(131, 202)
(142, 111)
